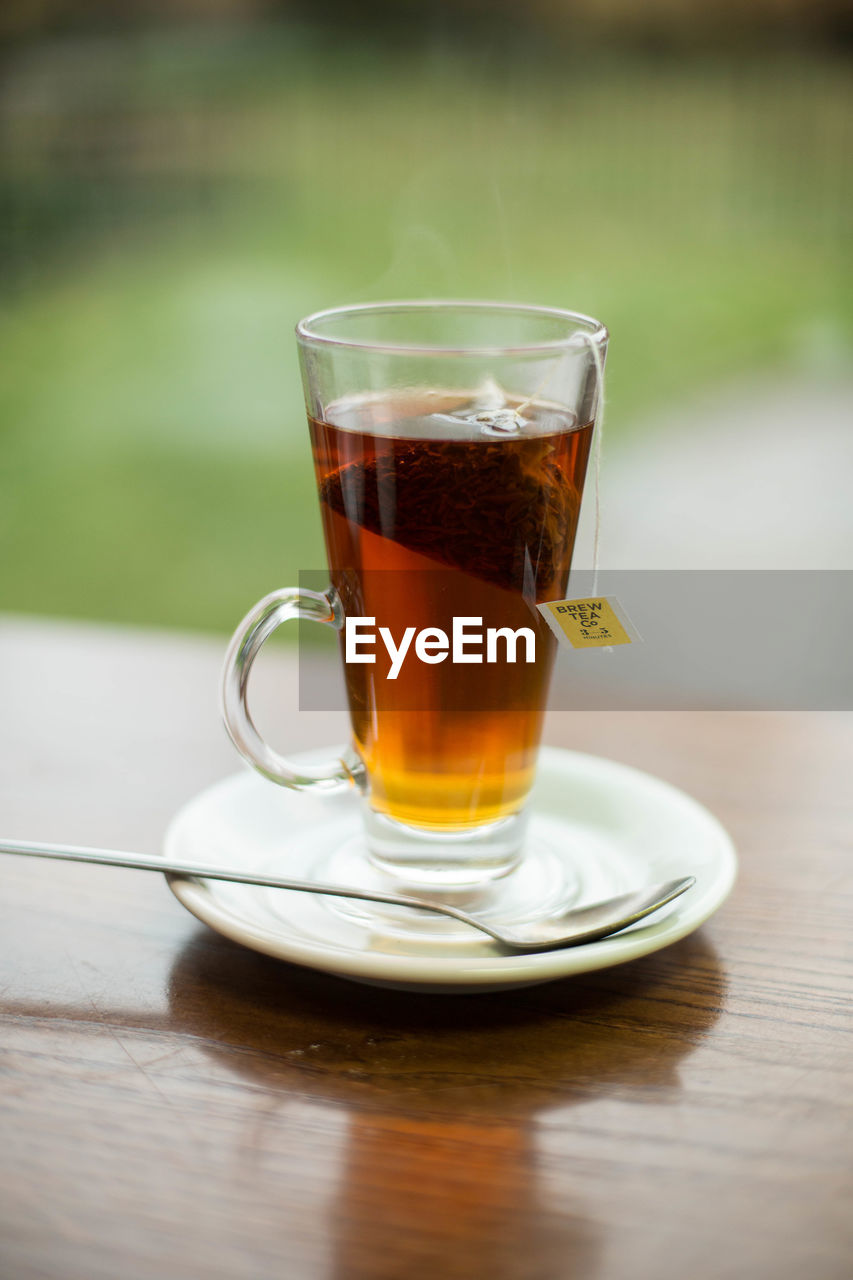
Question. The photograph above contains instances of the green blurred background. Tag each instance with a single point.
(181, 182)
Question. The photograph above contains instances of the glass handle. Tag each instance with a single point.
(257, 626)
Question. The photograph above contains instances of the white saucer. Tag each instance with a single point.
(619, 829)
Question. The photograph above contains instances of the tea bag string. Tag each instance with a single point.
(598, 419)
(598, 431)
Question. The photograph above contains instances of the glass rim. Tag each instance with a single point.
(587, 330)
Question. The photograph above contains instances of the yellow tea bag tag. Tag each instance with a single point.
(585, 624)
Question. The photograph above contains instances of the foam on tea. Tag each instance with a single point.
(441, 504)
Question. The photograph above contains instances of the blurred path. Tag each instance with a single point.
(755, 476)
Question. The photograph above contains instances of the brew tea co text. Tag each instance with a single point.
(467, 643)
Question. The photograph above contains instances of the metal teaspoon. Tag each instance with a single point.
(568, 929)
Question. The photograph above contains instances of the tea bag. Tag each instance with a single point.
(492, 414)
(488, 413)
(498, 513)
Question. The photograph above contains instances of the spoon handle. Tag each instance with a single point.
(113, 858)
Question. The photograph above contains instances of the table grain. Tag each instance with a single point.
(176, 1107)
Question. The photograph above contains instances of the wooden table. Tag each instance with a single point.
(175, 1106)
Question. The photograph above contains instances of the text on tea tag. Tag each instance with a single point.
(584, 624)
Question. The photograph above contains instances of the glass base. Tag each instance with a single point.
(444, 860)
(539, 883)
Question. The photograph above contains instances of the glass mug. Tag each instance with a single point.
(450, 444)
